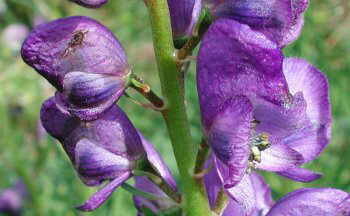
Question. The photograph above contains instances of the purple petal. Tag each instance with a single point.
(244, 194)
(310, 202)
(236, 60)
(263, 195)
(279, 157)
(300, 174)
(233, 208)
(102, 195)
(94, 163)
(73, 44)
(303, 77)
(280, 20)
(184, 15)
(88, 94)
(213, 183)
(90, 3)
(229, 138)
(155, 206)
(157, 161)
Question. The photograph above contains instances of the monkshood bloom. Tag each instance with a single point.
(156, 206)
(313, 201)
(250, 197)
(279, 20)
(90, 3)
(259, 109)
(11, 199)
(83, 60)
(184, 15)
(108, 148)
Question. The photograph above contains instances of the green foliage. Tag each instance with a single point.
(42, 163)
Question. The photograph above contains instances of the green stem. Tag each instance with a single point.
(195, 201)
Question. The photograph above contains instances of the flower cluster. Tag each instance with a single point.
(260, 110)
(87, 65)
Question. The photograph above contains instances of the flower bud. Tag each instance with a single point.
(83, 60)
(184, 15)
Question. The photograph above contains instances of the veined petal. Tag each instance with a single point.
(213, 182)
(236, 60)
(102, 195)
(300, 174)
(244, 194)
(303, 77)
(279, 157)
(229, 138)
(157, 161)
(90, 3)
(310, 202)
(279, 20)
(263, 194)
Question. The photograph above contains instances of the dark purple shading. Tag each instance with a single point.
(90, 3)
(313, 201)
(82, 59)
(279, 20)
(184, 14)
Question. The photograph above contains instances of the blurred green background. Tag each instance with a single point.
(42, 164)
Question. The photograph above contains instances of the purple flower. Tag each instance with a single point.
(250, 197)
(156, 206)
(83, 60)
(279, 20)
(184, 15)
(90, 3)
(259, 109)
(313, 201)
(108, 148)
(11, 199)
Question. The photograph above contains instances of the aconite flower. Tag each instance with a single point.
(184, 14)
(11, 199)
(83, 60)
(106, 149)
(280, 20)
(90, 3)
(260, 110)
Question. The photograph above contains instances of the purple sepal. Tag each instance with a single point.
(279, 20)
(228, 136)
(103, 194)
(90, 3)
(156, 206)
(158, 163)
(184, 14)
(300, 174)
(312, 201)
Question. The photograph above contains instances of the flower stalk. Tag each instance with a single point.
(195, 201)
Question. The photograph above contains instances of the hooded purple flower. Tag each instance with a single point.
(83, 60)
(279, 20)
(108, 148)
(184, 15)
(313, 201)
(250, 197)
(11, 199)
(259, 109)
(90, 3)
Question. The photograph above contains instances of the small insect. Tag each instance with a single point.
(76, 41)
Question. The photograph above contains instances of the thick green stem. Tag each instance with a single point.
(194, 197)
